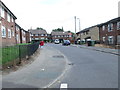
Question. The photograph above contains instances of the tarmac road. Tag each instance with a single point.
(89, 68)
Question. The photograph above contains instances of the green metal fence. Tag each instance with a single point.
(14, 54)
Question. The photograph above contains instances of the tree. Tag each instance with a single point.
(58, 30)
(39, 28)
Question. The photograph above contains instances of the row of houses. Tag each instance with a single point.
(10, 32)
(41, 34)
(107, 33)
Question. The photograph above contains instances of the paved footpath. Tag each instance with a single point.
(48, 66)
(105, 50)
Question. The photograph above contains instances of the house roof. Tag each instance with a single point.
(87, 29)
(4, 6)
(59, 33)
(111, 21)
(38, 31)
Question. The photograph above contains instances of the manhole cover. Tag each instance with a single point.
(70, 63)
(58, 56)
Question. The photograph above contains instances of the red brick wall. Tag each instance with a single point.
(8, 25)
(105, 33)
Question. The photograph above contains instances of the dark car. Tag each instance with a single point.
(66, 42)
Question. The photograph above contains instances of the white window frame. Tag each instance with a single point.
(103, 38)
(103, 27)
(9, 33)
(3, 31)
(42, 34)
(17, 37)
(2, 12)
(8, 17)
(110, 27)
(109, 39)
(36, 34)
(12, 19)
(118, 25)
(13, 33)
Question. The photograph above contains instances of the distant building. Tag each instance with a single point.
(38, 34)
(61, 35)
(110, 32)
(91, 33)
(7, 26)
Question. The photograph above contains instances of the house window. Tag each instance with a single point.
(2, 12)
(103, 27)
(12, 19)
(70, 35)
(36, 34)
(23, 38)
(12, 33)
(103, 39)
(110, 39)
(9, 33)
(8, 17)
(110, 27)
(42, 34)
(3, 31)
(17, 37)
(118, 25)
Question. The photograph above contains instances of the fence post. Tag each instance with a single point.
(19, 55)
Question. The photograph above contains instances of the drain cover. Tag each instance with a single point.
(58, 56)
(71, 64)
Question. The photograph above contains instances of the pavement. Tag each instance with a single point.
(49, 65)
(105, 50)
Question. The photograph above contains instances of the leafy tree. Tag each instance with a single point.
(39, 28)
(58, 30)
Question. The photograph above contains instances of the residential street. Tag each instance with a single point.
(90, 69)
(75, 66)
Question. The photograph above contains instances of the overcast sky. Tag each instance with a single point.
(52, 14)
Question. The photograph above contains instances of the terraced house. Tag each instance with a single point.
(91, 33)
(7, 26)
(110, 32)
(38, 34)
(61, 35)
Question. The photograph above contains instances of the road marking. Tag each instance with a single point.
(64, 85)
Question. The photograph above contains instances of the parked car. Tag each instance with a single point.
(56, 41)
(66, 42)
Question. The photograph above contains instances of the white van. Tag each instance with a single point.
(56, 41)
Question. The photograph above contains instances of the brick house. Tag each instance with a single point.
(23, 36)
(38, 34)
(91, 33)
(110, 32)
(61, 35)
(7, 26)
(18, 33)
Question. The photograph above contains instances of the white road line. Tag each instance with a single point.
(64, 85)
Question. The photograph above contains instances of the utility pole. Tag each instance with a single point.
(75, 24)
(79, 24)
